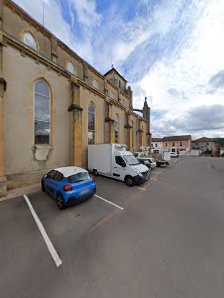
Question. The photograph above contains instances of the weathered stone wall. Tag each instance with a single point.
(21, 74)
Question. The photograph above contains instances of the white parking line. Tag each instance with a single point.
(48, 242)
(139, 187)
(122, 183)
(121, 208)
(153, 179)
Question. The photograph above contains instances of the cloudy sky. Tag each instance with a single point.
(171, 51)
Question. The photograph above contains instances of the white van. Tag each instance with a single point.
(112, 160)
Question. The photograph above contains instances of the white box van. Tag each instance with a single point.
(112, 160)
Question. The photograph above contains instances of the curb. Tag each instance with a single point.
(17, 192)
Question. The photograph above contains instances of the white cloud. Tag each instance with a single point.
(200, 59)
(86, 12)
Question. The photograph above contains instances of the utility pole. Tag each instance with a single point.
(43, 11)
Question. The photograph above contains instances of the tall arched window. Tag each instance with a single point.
(116, 128)
(132, 124)
(136, 133)
(70, 68)
(42, 112)
(91, 124)
(29, 40)
(95, 84)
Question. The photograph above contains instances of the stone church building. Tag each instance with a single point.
(53, 103)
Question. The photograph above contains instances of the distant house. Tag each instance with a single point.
(157, 145)
(213, 146)
(221, 146)
(178, 144)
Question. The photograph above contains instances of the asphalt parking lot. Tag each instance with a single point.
(117, 244)
(23, 249)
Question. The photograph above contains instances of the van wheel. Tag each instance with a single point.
(95, 173)
(60, 202)
(129, 181)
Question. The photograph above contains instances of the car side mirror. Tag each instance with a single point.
(123, 164)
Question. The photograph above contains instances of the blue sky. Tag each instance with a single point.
(171, 51)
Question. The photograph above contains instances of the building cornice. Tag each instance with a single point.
(25, 50)
(39, 58)
(22, 13)
(90, 88)
(124, 94)
(117, 89)
(112, 85)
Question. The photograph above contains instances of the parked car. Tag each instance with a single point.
(174, 154)
(112, 160)
(151, 160)
(138, 154)
(144, 161)
(68, 185)
(161, 162)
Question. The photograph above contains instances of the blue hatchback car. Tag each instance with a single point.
(68, 185)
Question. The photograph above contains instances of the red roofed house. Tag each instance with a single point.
(207, 145)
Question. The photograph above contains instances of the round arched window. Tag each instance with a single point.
(91, 124)
(95, 84)
(132, 136)
(70, 68)
(29, 40)
(116, 128)
(42, 112)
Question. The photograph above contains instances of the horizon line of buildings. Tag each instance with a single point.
(183, 144)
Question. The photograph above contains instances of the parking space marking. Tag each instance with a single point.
(154, 179)
(109, 202)
(122, 183)
(48, 242)
(139, 187)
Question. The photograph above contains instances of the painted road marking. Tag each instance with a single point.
(153, 179)
(139, 187)
(121, 183)
(109, 202)
(48, 242)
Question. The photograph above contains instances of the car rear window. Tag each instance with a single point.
(83, 176)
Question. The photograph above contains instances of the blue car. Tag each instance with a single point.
(68, 185)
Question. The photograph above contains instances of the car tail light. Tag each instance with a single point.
(67, 187)
(94, 180)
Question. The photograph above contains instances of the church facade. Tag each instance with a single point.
(53, 104)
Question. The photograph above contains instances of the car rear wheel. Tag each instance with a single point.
(129, 181)
(43, 186)
(60, 202)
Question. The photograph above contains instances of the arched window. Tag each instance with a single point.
(70, 68)
(29, 40)
(116, 128)
(132, 124)
(42, 112)
(95, 84)
(91, 124)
